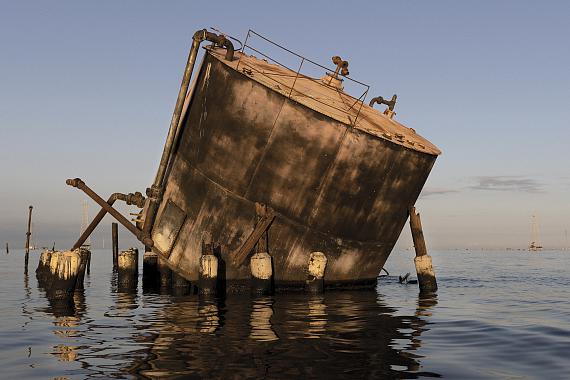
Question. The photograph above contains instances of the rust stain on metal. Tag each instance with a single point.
(338, 175)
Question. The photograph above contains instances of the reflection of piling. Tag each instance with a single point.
(151, 276)
(316, 267)
(128, 269)
(115, 243)
(261, 273)
(28, 236)
(424, 268)
(208, 271)
(260, 320)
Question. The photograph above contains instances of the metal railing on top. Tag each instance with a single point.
(350, 112)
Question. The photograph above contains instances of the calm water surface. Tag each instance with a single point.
(497, 315)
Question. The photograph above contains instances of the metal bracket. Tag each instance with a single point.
(266, 216)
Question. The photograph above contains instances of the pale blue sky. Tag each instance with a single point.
(87, 89)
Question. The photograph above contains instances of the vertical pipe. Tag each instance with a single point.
(28, 236)
(115, 243)
(424, 268)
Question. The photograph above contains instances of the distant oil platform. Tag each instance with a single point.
(534, 244)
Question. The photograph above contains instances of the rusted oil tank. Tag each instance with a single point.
(338, 175)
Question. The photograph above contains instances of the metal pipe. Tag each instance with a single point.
(115, 243)
(144, 238)
(422, 261)
(29, 233)
(380, 100)
(136, 199)
(417, 233)
(155, 191)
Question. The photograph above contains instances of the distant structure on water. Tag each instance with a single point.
(534, 244)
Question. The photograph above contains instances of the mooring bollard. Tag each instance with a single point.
(115, 244)
(151, 276)
(85, 256)
(422, 261)
(261, 273)
(128, 269)
(208, 274)
(64, 268)
(316, 267)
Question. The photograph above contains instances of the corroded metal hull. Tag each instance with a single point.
(334, 188)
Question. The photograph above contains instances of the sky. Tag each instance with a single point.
(87, 90)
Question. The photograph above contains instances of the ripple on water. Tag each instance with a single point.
(488, 320)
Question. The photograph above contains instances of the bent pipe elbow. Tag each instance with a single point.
(221, 40)
(380, 100)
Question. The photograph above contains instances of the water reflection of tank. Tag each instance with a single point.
(339, 174)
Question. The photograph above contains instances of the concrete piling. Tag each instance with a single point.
(115, 244)
(208, 274)
(64, 268)
(422, 261)
(128, 269)
(261, 273)
(316, 272)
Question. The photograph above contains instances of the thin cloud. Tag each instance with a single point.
(428, 192)
(507, 183)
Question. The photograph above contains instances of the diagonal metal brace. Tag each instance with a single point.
(240, 254)
(141, 236)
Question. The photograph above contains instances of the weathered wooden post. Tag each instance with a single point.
(85, 256)
(28, 236)
(208, 270)
(115, 243)
(151, 276)
(316, 272)
(261, 266)
(424, 268)
(7, 248)
(128, 269)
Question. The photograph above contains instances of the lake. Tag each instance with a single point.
(497, 314)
